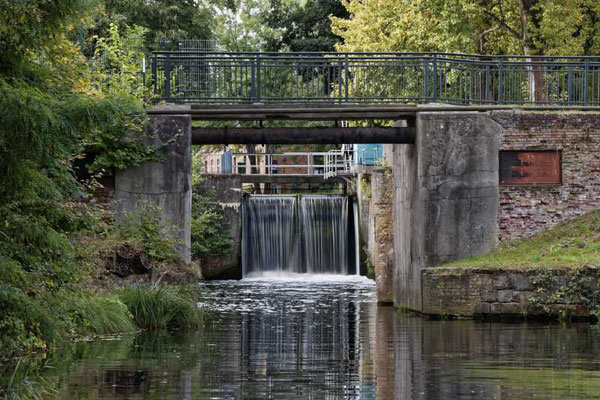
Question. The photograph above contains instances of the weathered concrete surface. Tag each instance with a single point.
(407, 277)
(470, 292)
(167, 185)
(445, 196)
(381, 231)
(227, 190)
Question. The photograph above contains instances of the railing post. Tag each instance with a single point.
(258, 64)
(426, 79)
(487, 84)
(435, 77)
(585, 82)
(570, 86)
(339, 74)
(253, 79)
(347, 78)
(500, 77)
(154, 69)
(168, 77)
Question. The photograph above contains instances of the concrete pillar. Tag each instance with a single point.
(452, 195)
(166, 185)
(381, 226)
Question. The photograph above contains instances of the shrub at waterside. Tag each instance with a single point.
(160, 308)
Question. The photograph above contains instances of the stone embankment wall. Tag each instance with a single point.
(528, 210)
(469, 292)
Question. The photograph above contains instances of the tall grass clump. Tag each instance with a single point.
(163, 307)
(99, 315)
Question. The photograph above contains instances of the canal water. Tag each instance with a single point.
(324, 337)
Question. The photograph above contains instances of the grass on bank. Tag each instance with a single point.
(163, 307)
(572, 244)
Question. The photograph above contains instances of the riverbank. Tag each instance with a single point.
(553, 275)
(93, 277)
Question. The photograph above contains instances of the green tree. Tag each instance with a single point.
(166, 22)
(529, 27)
(303, 26)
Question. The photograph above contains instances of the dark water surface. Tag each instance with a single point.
(320, 339)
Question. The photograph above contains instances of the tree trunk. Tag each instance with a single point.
(538, 92)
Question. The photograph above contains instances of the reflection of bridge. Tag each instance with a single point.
(369, 78)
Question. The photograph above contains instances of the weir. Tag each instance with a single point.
(296, 234)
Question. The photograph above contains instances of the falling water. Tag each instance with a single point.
(289, 234)
(270, 234)
(325, 228)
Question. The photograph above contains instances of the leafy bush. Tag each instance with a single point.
(160, 308)
(210, 235)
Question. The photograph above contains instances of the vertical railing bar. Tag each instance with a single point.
(347, 75)
(154, 73)
(500, 77)
(339, 75)
(168, 77)
(258, 78)
(585, 82)
(434, 77)
(253, 80)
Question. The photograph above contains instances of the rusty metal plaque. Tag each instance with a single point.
(530, 167)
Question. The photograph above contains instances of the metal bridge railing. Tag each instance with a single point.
(214, 77)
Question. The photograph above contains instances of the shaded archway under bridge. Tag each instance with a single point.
(444, 162)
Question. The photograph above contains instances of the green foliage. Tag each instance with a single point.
(25, 383)
(164, 307)
(97, 315)
(490, 27)
(303, 26)
(210, 235)
(165, 22)
(143, 229)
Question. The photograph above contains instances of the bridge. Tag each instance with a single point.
(443, 116)
(375, 78)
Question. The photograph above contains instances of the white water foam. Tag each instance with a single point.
(271, 276)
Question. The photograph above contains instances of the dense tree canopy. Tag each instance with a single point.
(493, 27)
(303, 26)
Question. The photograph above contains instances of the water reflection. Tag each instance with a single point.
(322, 340)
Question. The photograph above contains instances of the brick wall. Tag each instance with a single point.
(527, 210)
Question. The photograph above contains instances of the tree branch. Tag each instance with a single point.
(503, 24)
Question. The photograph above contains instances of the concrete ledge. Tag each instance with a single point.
(541, 292)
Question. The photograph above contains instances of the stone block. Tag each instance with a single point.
(519, 281)
(505, 296)
(500, 282)
(489, 295)
(482, 308)
(506, 308)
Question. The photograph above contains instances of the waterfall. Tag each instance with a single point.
(295, 234)
(270, 239)
(325, 228)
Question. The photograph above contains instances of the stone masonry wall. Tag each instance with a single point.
(381, 240)
(470, 292)
(528, 210)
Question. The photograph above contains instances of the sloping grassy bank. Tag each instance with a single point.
(553, 275)
(570, 245)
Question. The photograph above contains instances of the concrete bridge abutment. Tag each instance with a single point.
(162, 187)
(446, 196)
